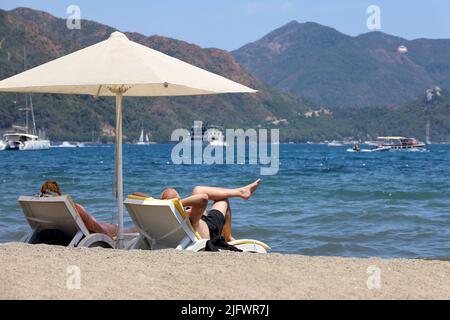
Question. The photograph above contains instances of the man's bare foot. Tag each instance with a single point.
(247, 191)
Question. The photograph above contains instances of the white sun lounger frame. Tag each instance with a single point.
(59, 213)
(162, 226)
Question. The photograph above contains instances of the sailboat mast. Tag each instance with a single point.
(28, 107)
(32, 116)
(26, 96)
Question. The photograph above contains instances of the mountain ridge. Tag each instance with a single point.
(331, 68)
(74, 117)
(46, 37)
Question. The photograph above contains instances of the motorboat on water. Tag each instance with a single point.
(356, 148)
(371, 143)
(335, 143)
(67, 144)
(377, 149)
(2, 145)
(401, 143)
(24, 142)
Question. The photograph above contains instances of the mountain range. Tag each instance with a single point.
(314, 83)
(330, 68)
(82, 117)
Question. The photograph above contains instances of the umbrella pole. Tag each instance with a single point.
(119, 175)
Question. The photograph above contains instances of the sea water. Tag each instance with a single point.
(323, 201)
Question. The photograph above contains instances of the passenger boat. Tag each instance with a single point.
(214, 136)
(401, 143)
(209, 134)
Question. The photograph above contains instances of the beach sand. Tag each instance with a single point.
(40, 272)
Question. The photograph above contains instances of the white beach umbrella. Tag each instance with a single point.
(120, 67)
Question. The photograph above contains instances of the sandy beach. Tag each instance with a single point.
(41, 272)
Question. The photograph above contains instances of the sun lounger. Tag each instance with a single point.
(59, 214)
(164, 224)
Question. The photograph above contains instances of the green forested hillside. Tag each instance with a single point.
(85, 118)
(407, 120)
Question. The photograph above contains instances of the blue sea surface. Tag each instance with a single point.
(323, 201)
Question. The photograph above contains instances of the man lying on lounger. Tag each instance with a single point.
(217, 221)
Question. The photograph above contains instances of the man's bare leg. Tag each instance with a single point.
(224, 207)
(226, 232)
(218, 194)
(198, 204)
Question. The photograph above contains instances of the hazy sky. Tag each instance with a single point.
(229, 24)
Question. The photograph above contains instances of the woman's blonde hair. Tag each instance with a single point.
(50, 187)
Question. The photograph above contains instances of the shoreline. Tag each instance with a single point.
(43, 272)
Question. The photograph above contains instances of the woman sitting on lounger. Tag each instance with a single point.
(218, 219)
(51, 188)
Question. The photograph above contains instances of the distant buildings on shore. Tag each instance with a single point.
(317, 113)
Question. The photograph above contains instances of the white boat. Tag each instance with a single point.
(2, 145)
(377, 149)
(25, 142)
(371, 143)
(67, 144)
(214, 136)
(335, 143)
(211, 135)
(218, 143)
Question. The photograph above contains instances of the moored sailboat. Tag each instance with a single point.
(23, 141)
